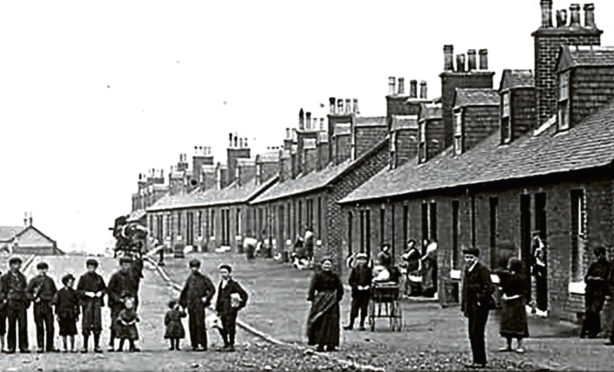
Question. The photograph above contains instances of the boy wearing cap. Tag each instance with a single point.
(196, 296)
(476, 302)
(231, 298)
(66, 303)
(41, 290)
(91, 289)
(360, 281)
(122, 284)
(13, 290)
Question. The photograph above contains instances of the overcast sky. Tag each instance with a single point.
(92, 93)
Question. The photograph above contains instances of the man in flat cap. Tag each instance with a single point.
(476, 302)
(13, 290)
(41, 290)
(231, 298)
(122, 284)
(196, 296)
(91, 289)
(597, 287)
(360, 281)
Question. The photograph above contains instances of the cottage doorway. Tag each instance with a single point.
(541, 274)
(525, 237)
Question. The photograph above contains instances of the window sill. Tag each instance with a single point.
(455, 274)
(577, 288)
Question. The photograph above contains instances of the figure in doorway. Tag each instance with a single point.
(597, 287)
(539, 261)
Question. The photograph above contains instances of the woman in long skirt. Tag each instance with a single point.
(325, 293)
(513, 316)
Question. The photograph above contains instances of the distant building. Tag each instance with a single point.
(26, 239)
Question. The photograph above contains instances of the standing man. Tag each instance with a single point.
(309, 242)
(476, 302)
(360, 281)
(196, 295)
(13, 290)
(596, 280)
(540, 271)
(231, 298)
(91, 289)
(123, 283)
(41, 290)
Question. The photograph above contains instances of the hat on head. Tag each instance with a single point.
(125, 260)
(172, 303)
(42, 266)
(67, 278)
(14, 260)
(472, 251)
(329, 259)
(225, 266)
(91, 262)
(362, 255)
(194, 263)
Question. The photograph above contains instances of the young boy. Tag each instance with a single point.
(231, 298)
(41, 289)
(360, 281)
(91, 289)
(66, 303)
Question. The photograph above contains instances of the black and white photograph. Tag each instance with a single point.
(268, 185)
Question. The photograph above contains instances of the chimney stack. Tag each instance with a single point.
(546, 6)
(331, 105)
(471, 60)
(413, 88)
(574, 11)
(301, 119)
(460, 63)
(561, 18)
(391, 83)
(348, 105)
(229, 139)
(339, 106)
(25, 217)
(483, 59)
(288, 133)
(356, 111)
(245, 142)
(236, 140)
(240, 143)
(589, 15)
(307, 121)
(423, 89)
(448, 58)
(30, 220)
(401, 87)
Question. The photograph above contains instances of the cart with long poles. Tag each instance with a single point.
(384, 303)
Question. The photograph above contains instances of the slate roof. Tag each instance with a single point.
(233, 194)
(368, 121)
(9, 232)
(585, 56)
(476, 97)
(512, 79)
(589, 144)
(400, 122)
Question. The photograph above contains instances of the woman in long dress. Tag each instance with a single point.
(325, 294)
(513, 315)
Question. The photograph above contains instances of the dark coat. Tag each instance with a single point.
(41, 287)
(66, 302)
(601, 269)
(91, 282)
(127, 331)
(223, 305)
(323, 281)
(360, 276)
(196, 287)
(174, 326)
(13, 287)
(323, 322)
(477, 289)
(122, 284)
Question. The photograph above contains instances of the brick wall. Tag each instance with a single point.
(367, 137)
(343, 148)
(479, 122)
(547, 43)
(406, 145)
(232, 155)
(523, 114)
(435, 137)
(590, 89)
(323, 155)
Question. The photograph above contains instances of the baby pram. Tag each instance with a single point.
(384, 303)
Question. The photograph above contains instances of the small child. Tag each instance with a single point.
(125, 326)
(174, 328)
(66, 302)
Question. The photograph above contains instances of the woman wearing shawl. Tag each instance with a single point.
(325, 293)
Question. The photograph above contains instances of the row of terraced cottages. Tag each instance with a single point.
(535, 154)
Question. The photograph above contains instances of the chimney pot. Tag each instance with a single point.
(348, 104)
(321, 123)
(574, 11)
(301, 119)
(471, 60)
(460, 63)
(448, 57)
(236, 140)
(245, 142)
(229, 139)
(413, 88)
(589, 15)
(307, 121)
(391, 83)
(331, 104)
(483, 59)
(240, 143)
(356, 111)
(288, 133)
(339, 106)
(423, 89)
(401, 87)
(546, 6)
(561, 18)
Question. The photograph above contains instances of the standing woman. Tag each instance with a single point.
(325, 293)
(513, 315)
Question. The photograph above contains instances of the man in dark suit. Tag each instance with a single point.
(231, 298)
(13, 290)
(196, 296)
(476, 302)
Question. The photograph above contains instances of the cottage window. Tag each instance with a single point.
(212, 222)
(320, 217)
(382, 225)
(458, 131)
(563, 104)
(200, 223)
(494, 224)
(238, 224)
(506, 127)
(578, 233)
(350, 230)
(455, 234)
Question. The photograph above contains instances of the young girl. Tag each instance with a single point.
(66, 303)
(126, 325)
(174, 327)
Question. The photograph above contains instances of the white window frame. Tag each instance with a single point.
(563, 106)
